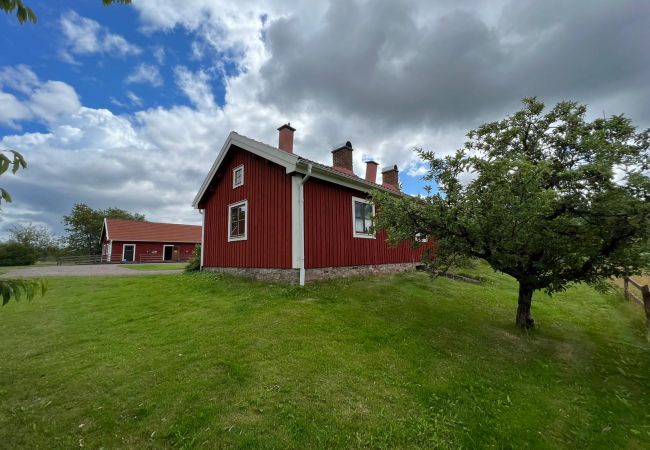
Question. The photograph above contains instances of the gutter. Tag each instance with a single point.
(302, 223)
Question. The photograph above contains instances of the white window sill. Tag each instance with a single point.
(365, 236)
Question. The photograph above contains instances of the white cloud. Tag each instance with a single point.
(85, 36)
(196, 86)
(145, 73)
(53, 100)
(116, 102)
(159, 55)
(135, 100)
(19, 78)
(12, 110)
(32, 98)
(104, 160)
(236, 33)
(416, 169)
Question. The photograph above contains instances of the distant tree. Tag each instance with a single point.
(35, 236)
(553, 200)
(17, 254)
(16, 289)
(84, 227)
(26, 14)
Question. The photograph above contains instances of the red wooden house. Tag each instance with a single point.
(137, 241)
(270, 213)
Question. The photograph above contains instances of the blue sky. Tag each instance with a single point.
(99, 78)
(127, 106)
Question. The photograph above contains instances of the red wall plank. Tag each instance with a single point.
(329, 238)
(151, 251)
(267, 188)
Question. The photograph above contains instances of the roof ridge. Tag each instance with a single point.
(352, 176)
(154, 223)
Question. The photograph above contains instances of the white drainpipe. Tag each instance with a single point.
(302, 224)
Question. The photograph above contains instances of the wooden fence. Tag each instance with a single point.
(641, 296)
(98, 259)
(83, 259)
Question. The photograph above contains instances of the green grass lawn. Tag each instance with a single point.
(161, 266)
(388, 362)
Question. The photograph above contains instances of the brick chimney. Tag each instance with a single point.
(390, 177)
(371, 171)
(342, 158)
(285, 137)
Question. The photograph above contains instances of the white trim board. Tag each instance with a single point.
(202, 211)
(104, 227)
(296, 220)
(245, 236)
(234, 171)
(354, 227)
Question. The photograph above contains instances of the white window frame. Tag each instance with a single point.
(421, 238)
(234, 171)
(354, 228)
(163, 255)
(124, 251)
(230, 207)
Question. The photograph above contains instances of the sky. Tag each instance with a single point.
(128, 106)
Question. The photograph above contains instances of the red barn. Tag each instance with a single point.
(137, 241)
(270, 213)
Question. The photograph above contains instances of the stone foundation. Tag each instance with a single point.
(292, 276)
(325, 273)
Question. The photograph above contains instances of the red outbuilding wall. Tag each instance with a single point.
(153, 251)
(267, 187)
(329, 237)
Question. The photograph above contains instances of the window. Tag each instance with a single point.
(238, 176)
(421, 237)
(237, 221)
(362, 214)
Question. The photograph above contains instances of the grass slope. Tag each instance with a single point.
(388, 362)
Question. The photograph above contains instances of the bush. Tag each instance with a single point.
(16, 254)
(194, 263)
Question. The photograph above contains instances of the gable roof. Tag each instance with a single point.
(292, 163)
(137, 231)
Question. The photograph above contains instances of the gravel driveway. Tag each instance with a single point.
(91, 270)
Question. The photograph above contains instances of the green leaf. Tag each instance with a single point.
(19, 289)
(4, 163)
(18, 162)
(5, 195)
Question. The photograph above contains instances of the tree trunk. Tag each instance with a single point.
(524, 319)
